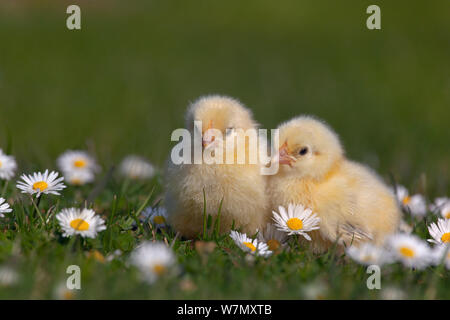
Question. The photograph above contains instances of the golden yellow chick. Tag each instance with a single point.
(241, 186)
(354, 205)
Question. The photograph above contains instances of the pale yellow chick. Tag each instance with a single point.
(241, 186)
(353, 204)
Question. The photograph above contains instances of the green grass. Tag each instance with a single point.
(122, 83)
(40, 255)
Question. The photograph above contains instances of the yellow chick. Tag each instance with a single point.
(241, 186)
(353, 204)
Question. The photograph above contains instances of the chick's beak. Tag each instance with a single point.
(283, 155)
(207, 137)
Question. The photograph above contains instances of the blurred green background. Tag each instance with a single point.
(122, 83)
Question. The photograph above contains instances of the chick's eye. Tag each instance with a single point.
(303, 151)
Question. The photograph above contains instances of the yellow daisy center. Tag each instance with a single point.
(79, 225)
(295, 224)
(159, 220)
(447, 215)
(76, 182)
(367, 258)
(406, 200)
(446, 237)
(68, 295)
(159, 269)
(250, 246)
(80, 163)
(407, 252)
(41, 185)
(273, 244)
(0, 164)
(97, 256)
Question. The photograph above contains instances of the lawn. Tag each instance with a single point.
(121, 85)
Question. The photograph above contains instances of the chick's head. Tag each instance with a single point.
(309, 148)
(219, 116)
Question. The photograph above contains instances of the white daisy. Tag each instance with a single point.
(84, 222)
(254, 246)
(297, 220)
(438, 204)
(438, 255)
(8, 166)
(4, 207)
(317, 290)
(153, 259)
(440, 231)
(416, 204)
(445, 210)
(135, 167)
(410, 250)
(156, 215)
(114, 255)
(274, 238)
(79, 177)
(404, 227)
(61, 292)
(369, 254)
(401, 193)
(8, 276)
(76, 160)
(39, 183)
(393, 293)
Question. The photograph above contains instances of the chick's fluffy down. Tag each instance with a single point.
(354, 205)
(242, 189)
(241, 186)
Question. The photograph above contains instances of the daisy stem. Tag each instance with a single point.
(174, 240)
(4, 188)
(36, 208)
(141, 208)
(77, 244)
(216, 228)
(110, 220)
(297, 240)
(434, 277)
(124, 188)
(82, 243)
(71, 243)
(205, 218)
